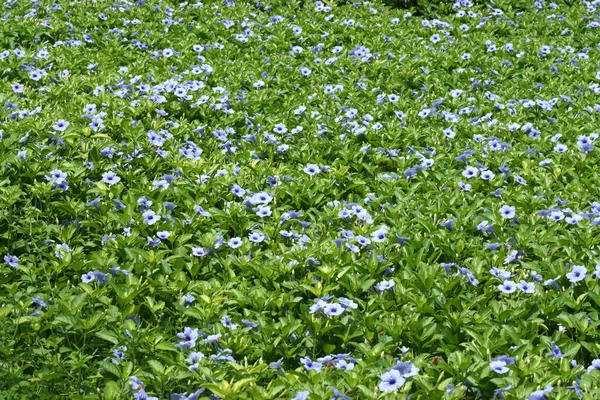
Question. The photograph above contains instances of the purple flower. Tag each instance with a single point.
(311, 365)
(507, 211)
(256, 237)
(38, 303)
(198, 251)
(576, 388)
(595, 366)
(347, 303)
(60, 125)
(378, 236)
(555, 351)
(501, 273)
(94, 203)
(303, 395)
(493, 246)
(312, 169)
(110, 178)
(401, 240)
(100, 277)
(263, 211)
(346, 366)
(213, 339)
(578, 273)
(119, 354)
(276, 365)
(391, 381)
(163, 234)
(406, 369)
(11, 261)
(189, 337)
(385, 285)
(141, 395)
(188, 299)
(337, 395)
(507, 287)
(448, 224)
(152, 242)
(150, 218)
(250, 324)
(487, 175)
(235, 242)
(540, 394)
(135, 383)
(470, 172)
(526, 287)
(114, 271)
(61, 249)
(499, 392)
(504, 358)
(499, 367)
(333, 309)
(87, 278)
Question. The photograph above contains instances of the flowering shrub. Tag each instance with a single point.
(276, 200)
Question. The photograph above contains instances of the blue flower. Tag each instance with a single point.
(507, 287)
(333, 309)
(347, 303)
(507, 211)
(499, 393)
(61, 125)
(448, 224)
(337, 395)
(198, 251)
(504, 358)
(303, 395)
(150, 218)
(276, 365)
(38, 303)
(499, 367)
(526, 287)
(577, 274)
(576, 388)
(110, 178)
(142, 395)
(189, 337)
(213, 339)
(540, 394)
(595, 366)
(406, 369)
(100, 277)
(188, 299)
(555, 352)
(311, 365)
(312, 169)
(87, 278)
(250, 324)
(11, 261)
(470, 172)
(401, 240)
(235, 242)
(391, 381)
(94, 203)
(378, 236)
(385, 285)
(256, 237)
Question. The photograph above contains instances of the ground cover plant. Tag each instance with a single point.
(299, 200)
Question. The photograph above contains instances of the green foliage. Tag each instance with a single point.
(361, 188)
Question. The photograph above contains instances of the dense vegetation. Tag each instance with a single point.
(299, 200)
